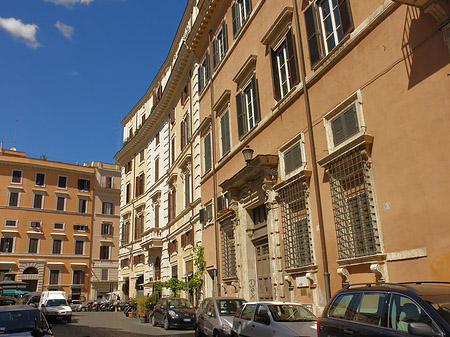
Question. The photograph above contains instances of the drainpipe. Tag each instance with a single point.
(213, 166)
(326, 274)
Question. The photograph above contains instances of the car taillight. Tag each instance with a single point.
(318, 327)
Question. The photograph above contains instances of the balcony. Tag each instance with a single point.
(152, 239)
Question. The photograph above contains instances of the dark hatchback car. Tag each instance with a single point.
(388, 309)
(23, 320)
(6, 300)
(173, 312)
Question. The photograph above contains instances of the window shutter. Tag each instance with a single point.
(207, 146)
(170, 205)
(241, 119)
(312, 34)
(225, 36)
(337, 125)
(137, 187)
(215, 53)
(350, 121)
(206, 68)
(292, 60)
(202, 215)
(275, 75)
(248, 6)
(220, 203)
(255, 99)
(235, 19)
(200, 78)
(183, 134)
(346, 17)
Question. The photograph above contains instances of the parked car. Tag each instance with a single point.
(54, 305)
(23, 320)
(7, 300)
(215, 316)
(32, 298)
(264, 319)
(75, 305)
(388, 309)
(173, 312)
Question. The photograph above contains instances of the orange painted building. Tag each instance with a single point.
(46, 211)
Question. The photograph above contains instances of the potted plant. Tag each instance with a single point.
(142, 307)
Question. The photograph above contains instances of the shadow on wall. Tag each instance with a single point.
(423, 46)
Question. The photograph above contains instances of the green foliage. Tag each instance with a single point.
(142, 305)
(196, 281)
(175, 285)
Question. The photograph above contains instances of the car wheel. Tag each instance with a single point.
(153, 320)
(166, 323)
(69, 319)
(198, 332)
(216, 333)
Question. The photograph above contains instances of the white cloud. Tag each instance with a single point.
(69, 3)
(18, 29)
(66, 30)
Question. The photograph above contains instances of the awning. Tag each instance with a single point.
(13, 292)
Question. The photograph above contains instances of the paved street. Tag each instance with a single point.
(106, 324)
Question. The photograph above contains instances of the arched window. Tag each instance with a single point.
(30, 270)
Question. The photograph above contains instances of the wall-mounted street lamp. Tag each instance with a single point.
(248, 156)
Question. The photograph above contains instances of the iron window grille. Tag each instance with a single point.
(353, 205)
(228, 249)
(296, 224)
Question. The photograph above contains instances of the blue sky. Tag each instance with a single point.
(70, 70)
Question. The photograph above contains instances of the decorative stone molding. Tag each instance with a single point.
(236, 286)
(290, 281)
(343, 272)
(379, 270)
(312, 277)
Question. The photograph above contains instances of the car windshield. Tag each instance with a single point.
(180, 303)
(229, 307)
(56, 302)
(440, 303)
(291, 313)
(20, 320)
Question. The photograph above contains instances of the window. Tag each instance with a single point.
(187, 238)
(107, 228)
(225, 132)
(353, 204)
(128, 167)
(139, 259)
(156, 215)
(78, 277)
(40, 179)
(341, 306)
(172, 151)
(109, 182)
(126, 232)
(33, 245)
(207, 152)
(56, 246)
(138, 226)
(370, 309)
(185, 93)
(223, 202)
(344, 125)
(172, 200)
(104, 274)
(13, 199)
(219, 45)
(79, 247)
(35, 224)
(108, 208)
(16, 177)
(327, 22)
(284, 67)
(6, 245)
(203, 73)
(82, 205)
(240, 11)
(156, 169)
(104, 252)
(10, 223)
(187, 189)
(54, 276)
(292, 158)
(60, 203)
(58, 225)
(124, 263)
(262, 314)
(80, 228)
(175, 271)
(247, 107)
(247, 313)
(228, 249)
(157, 269)
(157, 139)
(141, 156)
(404, 311)
(83, 185)
(173, 246)
(38, 200)
(62, 182)
(128, 193)
(140, 186)
(184, 128)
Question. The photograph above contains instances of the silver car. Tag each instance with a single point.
(261, 319)
(215, 316)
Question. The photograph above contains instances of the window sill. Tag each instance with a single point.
(366, 140)
(369, 259)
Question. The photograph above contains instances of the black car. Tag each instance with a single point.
(173, 312)
(6, 300)
(388, 309)
(23, 320)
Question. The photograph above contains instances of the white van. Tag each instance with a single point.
(54, 305)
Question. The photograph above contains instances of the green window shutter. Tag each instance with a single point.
(275, 75)
(346, 17)
(350, 121)
(292, 158)
(337, 125)
(206, 68)
(225, 130)
(235, 19)
(312, 34)
(200, 78)
(215, 53)
(207, 147)
(255, 99)
(241, 115)
(292, 60)
(225, 36)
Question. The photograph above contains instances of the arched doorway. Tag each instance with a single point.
(32, 280)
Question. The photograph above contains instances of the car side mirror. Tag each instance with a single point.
(210, 314)
(420, 329)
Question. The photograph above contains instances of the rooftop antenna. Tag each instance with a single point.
(15, 130)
